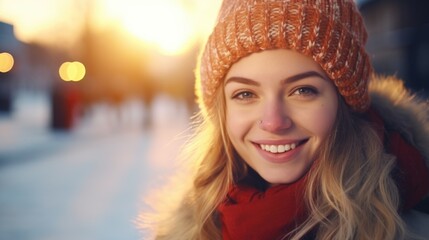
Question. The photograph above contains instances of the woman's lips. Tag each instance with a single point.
(280, 153)
(278, 148)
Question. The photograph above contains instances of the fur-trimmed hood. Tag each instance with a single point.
(409, 115)
(402, 110)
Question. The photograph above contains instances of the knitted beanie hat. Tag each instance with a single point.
(332, 32)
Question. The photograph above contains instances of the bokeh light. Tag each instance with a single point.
(72, 71)
(6, 62)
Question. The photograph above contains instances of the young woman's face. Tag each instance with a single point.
(280, 107)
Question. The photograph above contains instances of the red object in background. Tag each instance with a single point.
(64, 103)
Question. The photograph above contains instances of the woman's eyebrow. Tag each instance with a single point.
(242, 80)
(303, 75)
(290, 79)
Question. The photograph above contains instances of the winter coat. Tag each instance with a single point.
(409, 115)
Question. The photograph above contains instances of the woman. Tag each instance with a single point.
(296, 138)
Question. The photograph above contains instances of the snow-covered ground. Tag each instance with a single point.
(88, 183)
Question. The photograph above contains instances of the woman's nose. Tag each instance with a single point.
(275, 117)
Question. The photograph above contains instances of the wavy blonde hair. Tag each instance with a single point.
(350, 191)
(208, 153)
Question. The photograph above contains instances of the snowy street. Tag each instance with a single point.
(88, 183)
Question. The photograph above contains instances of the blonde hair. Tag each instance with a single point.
(209, 154)
(350, 191)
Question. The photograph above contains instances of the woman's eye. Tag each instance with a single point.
(305, 91)
(243, 95)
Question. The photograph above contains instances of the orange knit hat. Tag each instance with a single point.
(332, 32)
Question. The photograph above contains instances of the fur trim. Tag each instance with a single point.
(402, 110)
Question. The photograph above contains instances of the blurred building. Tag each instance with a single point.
(399, 39)
(8, 42)
(10, 45)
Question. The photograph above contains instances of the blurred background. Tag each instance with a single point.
(95, 101)
(96, 96)
(399, 39)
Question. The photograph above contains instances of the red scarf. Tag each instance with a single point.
(251, 213)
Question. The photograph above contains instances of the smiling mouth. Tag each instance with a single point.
(280, 148)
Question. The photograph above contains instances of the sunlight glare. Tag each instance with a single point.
(169, 26)
(165, 25)
(48, 21)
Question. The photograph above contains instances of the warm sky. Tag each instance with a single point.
(172, 25)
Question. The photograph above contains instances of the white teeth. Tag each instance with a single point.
(278, 148)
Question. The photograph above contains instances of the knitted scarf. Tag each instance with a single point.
(252, 211)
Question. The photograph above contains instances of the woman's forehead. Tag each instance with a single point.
(287, 63)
